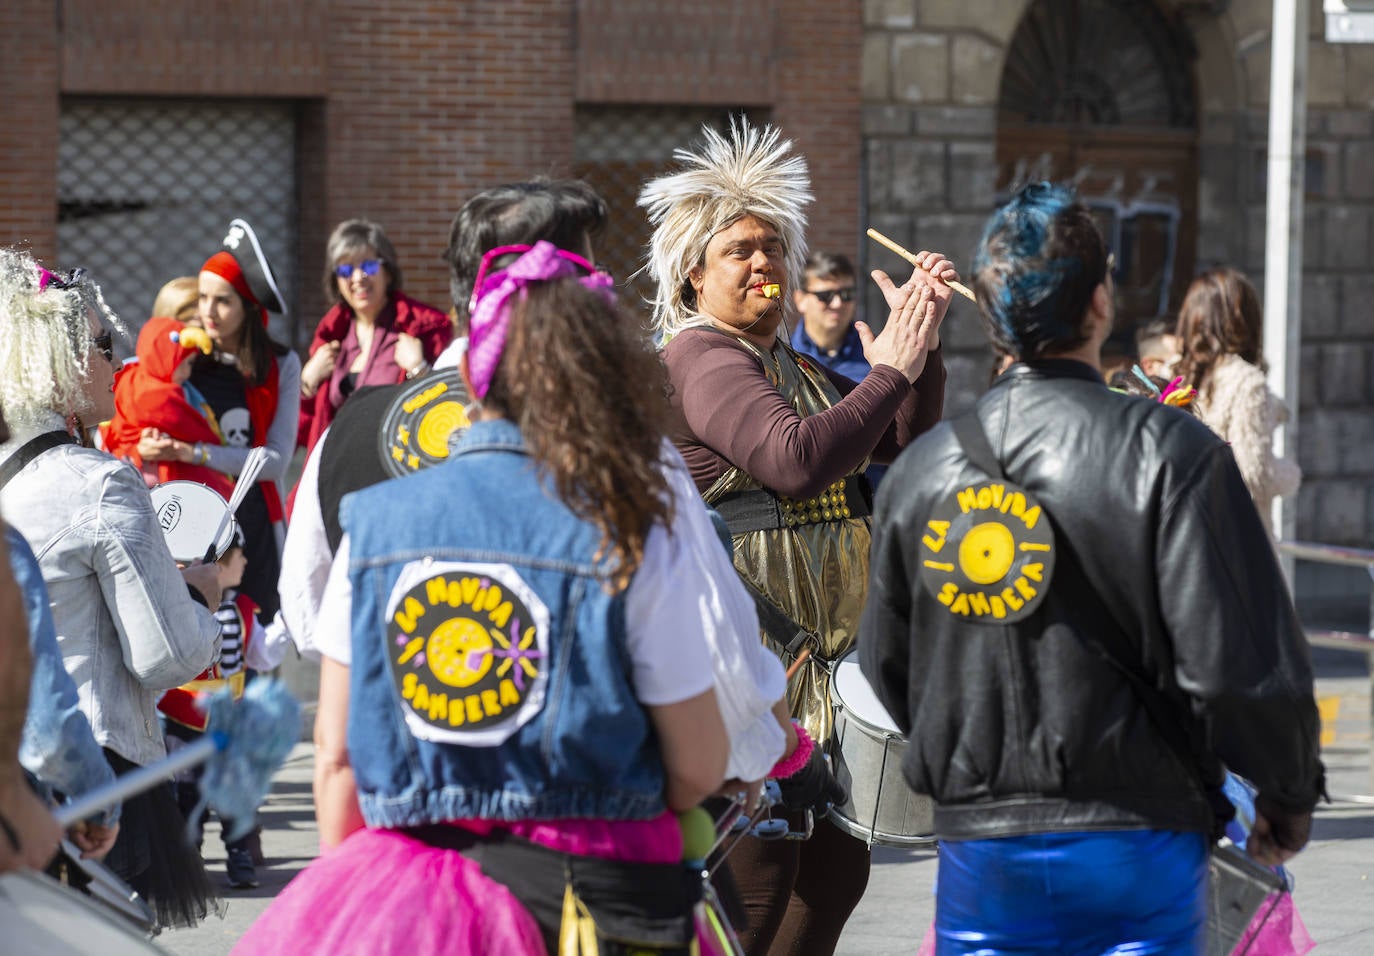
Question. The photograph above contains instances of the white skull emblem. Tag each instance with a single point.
(238, 430)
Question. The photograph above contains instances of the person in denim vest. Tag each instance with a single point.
(58, 748)
(31, 833)
(521, 687)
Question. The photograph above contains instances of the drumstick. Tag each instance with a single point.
(800, 660)
(257, 457)
(878, 237)
(245, 744)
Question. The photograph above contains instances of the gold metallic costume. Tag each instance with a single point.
(816, 572)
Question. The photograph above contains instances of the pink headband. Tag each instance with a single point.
(491, 294)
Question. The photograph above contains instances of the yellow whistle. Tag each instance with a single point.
(771, 290)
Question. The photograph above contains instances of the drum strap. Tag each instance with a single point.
(969, 430)
(787, 633)
(30, 450)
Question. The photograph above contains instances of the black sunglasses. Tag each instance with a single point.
(847, 294)
(104, 342)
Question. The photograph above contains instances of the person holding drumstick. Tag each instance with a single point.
(1078, 651)
(777, 445)
(129, 625)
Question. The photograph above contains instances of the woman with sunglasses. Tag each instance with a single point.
(129, 625)
(374, 335)
(513, 652)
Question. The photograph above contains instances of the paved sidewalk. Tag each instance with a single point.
(1334, 895)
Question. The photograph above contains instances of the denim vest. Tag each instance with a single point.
(490, 675)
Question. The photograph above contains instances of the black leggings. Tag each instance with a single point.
(797, 895)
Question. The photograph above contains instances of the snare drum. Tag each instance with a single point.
(1241, 896)
(188, 514)
(868, 750)
(99, 884)
(42, 917)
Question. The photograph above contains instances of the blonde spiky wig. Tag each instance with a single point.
(752, 173)
(45, 339)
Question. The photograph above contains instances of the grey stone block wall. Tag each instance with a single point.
(931, 76)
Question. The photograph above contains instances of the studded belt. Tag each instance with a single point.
(763, 510)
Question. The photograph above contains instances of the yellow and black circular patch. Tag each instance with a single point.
(467, 645)
(422, 421)
(988, 553)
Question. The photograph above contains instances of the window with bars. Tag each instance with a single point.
(147, 187)
(619, 148)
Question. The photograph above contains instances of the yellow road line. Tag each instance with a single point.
(1329, 708)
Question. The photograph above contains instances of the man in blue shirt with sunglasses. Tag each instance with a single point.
(827, 302)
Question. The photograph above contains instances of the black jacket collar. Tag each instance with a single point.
(1053, 368)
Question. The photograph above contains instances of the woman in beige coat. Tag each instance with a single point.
(1219, 330)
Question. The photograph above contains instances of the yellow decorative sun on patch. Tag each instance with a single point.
(459, 652)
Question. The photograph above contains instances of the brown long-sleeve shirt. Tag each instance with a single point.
(730, 413)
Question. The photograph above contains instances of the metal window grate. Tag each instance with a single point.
(147, 187)
(617, 149)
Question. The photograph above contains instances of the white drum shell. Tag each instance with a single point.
(188, 514)
(868, 751)
(42, 917)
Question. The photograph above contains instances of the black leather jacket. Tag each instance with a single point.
(1162, 561)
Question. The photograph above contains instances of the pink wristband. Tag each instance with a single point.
(787, 766)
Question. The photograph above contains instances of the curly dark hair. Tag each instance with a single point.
(1220, 316)
(580, 376)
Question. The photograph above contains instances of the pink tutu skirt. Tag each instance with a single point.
(382, 892)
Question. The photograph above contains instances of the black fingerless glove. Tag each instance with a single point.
(813, 787)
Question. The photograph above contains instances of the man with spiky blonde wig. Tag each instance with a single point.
(778, 446)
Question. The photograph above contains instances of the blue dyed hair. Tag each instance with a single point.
(1040, 258)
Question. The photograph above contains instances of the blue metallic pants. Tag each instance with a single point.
(1120, 892)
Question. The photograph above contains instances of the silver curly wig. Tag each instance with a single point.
(752, 172)
(45, 338)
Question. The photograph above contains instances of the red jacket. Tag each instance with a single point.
(402, 314)
(146, 396)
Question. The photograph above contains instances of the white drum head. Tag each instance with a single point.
(188, 514)
(44, 918)
(852, 690)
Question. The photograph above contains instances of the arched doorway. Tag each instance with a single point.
(1102, 93)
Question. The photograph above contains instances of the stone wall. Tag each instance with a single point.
(931, 76)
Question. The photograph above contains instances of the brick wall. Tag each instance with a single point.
(818, 103)
(186, 47)
(28, 127)
(433, 102)
(407, 109)
(801, 59)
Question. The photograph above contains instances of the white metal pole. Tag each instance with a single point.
(1284, 221)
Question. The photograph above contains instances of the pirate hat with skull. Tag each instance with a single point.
(243, 265)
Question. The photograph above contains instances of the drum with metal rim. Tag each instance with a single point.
(868, 750)
(42, 917)
(189, 514)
